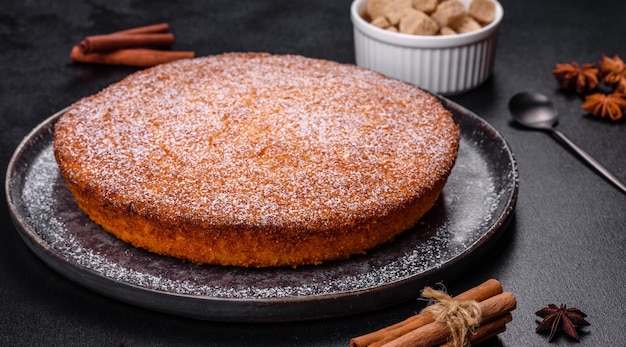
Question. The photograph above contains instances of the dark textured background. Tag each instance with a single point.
(567, 243)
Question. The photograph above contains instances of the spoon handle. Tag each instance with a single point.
(586, 156)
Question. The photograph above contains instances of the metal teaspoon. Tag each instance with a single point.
(536, 111)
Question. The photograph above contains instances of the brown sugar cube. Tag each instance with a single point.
(375, 8)
(449, 13)
(381, 22)
(426, 6)
(483, 11)
(418, 23)
(466, 25)
(396, 9)
(447, 31)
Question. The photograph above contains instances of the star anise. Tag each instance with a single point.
(581, 78)
(557, 318)
(605, 105)
(613, 72)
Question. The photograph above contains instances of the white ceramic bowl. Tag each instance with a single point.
(446, 65)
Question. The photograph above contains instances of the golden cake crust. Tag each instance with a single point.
(254, 159)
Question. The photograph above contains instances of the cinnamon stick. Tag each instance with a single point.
(481, 292)
(140, 57)
(487, 330)
(147, 29)
(437, 333)
(111, 42)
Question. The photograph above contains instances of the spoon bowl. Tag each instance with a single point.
(536, 111)
(533, 110)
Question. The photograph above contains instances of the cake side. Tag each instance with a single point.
(252, 246)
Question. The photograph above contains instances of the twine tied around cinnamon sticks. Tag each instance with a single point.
(131, 47)
(461, 316)
(423, 330)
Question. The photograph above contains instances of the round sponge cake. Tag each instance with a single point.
(253, 159)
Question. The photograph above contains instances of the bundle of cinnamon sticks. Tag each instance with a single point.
(132, 47)
(422, 330)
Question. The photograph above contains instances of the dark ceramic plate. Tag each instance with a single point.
(472, 212)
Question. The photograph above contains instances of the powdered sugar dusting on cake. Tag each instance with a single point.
(268, 140)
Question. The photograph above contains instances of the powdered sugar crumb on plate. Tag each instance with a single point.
(473, 209)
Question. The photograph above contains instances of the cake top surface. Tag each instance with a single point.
(257, 139)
